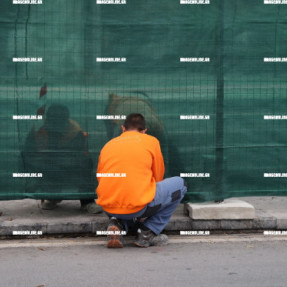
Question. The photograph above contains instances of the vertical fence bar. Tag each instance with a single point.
(219, 104)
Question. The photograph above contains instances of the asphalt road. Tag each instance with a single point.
(214, 261)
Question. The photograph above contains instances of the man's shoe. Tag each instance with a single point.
(49, 204)
(146, 238)
(92, 208)
(115, 239)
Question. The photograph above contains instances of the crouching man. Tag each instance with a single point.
(131, 188)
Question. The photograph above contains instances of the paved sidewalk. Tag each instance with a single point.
(68, 218)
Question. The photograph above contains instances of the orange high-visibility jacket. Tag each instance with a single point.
(136, 163)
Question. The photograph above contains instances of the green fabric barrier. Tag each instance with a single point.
(236, 88)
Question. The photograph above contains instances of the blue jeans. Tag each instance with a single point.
(157, 213)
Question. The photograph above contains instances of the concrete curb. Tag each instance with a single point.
(68, 219)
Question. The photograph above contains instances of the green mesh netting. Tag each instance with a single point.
(236, 89)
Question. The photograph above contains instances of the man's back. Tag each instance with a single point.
(136, 163)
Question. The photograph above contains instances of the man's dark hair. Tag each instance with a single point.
(135, 121)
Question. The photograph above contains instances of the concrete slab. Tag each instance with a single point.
(228, 209)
